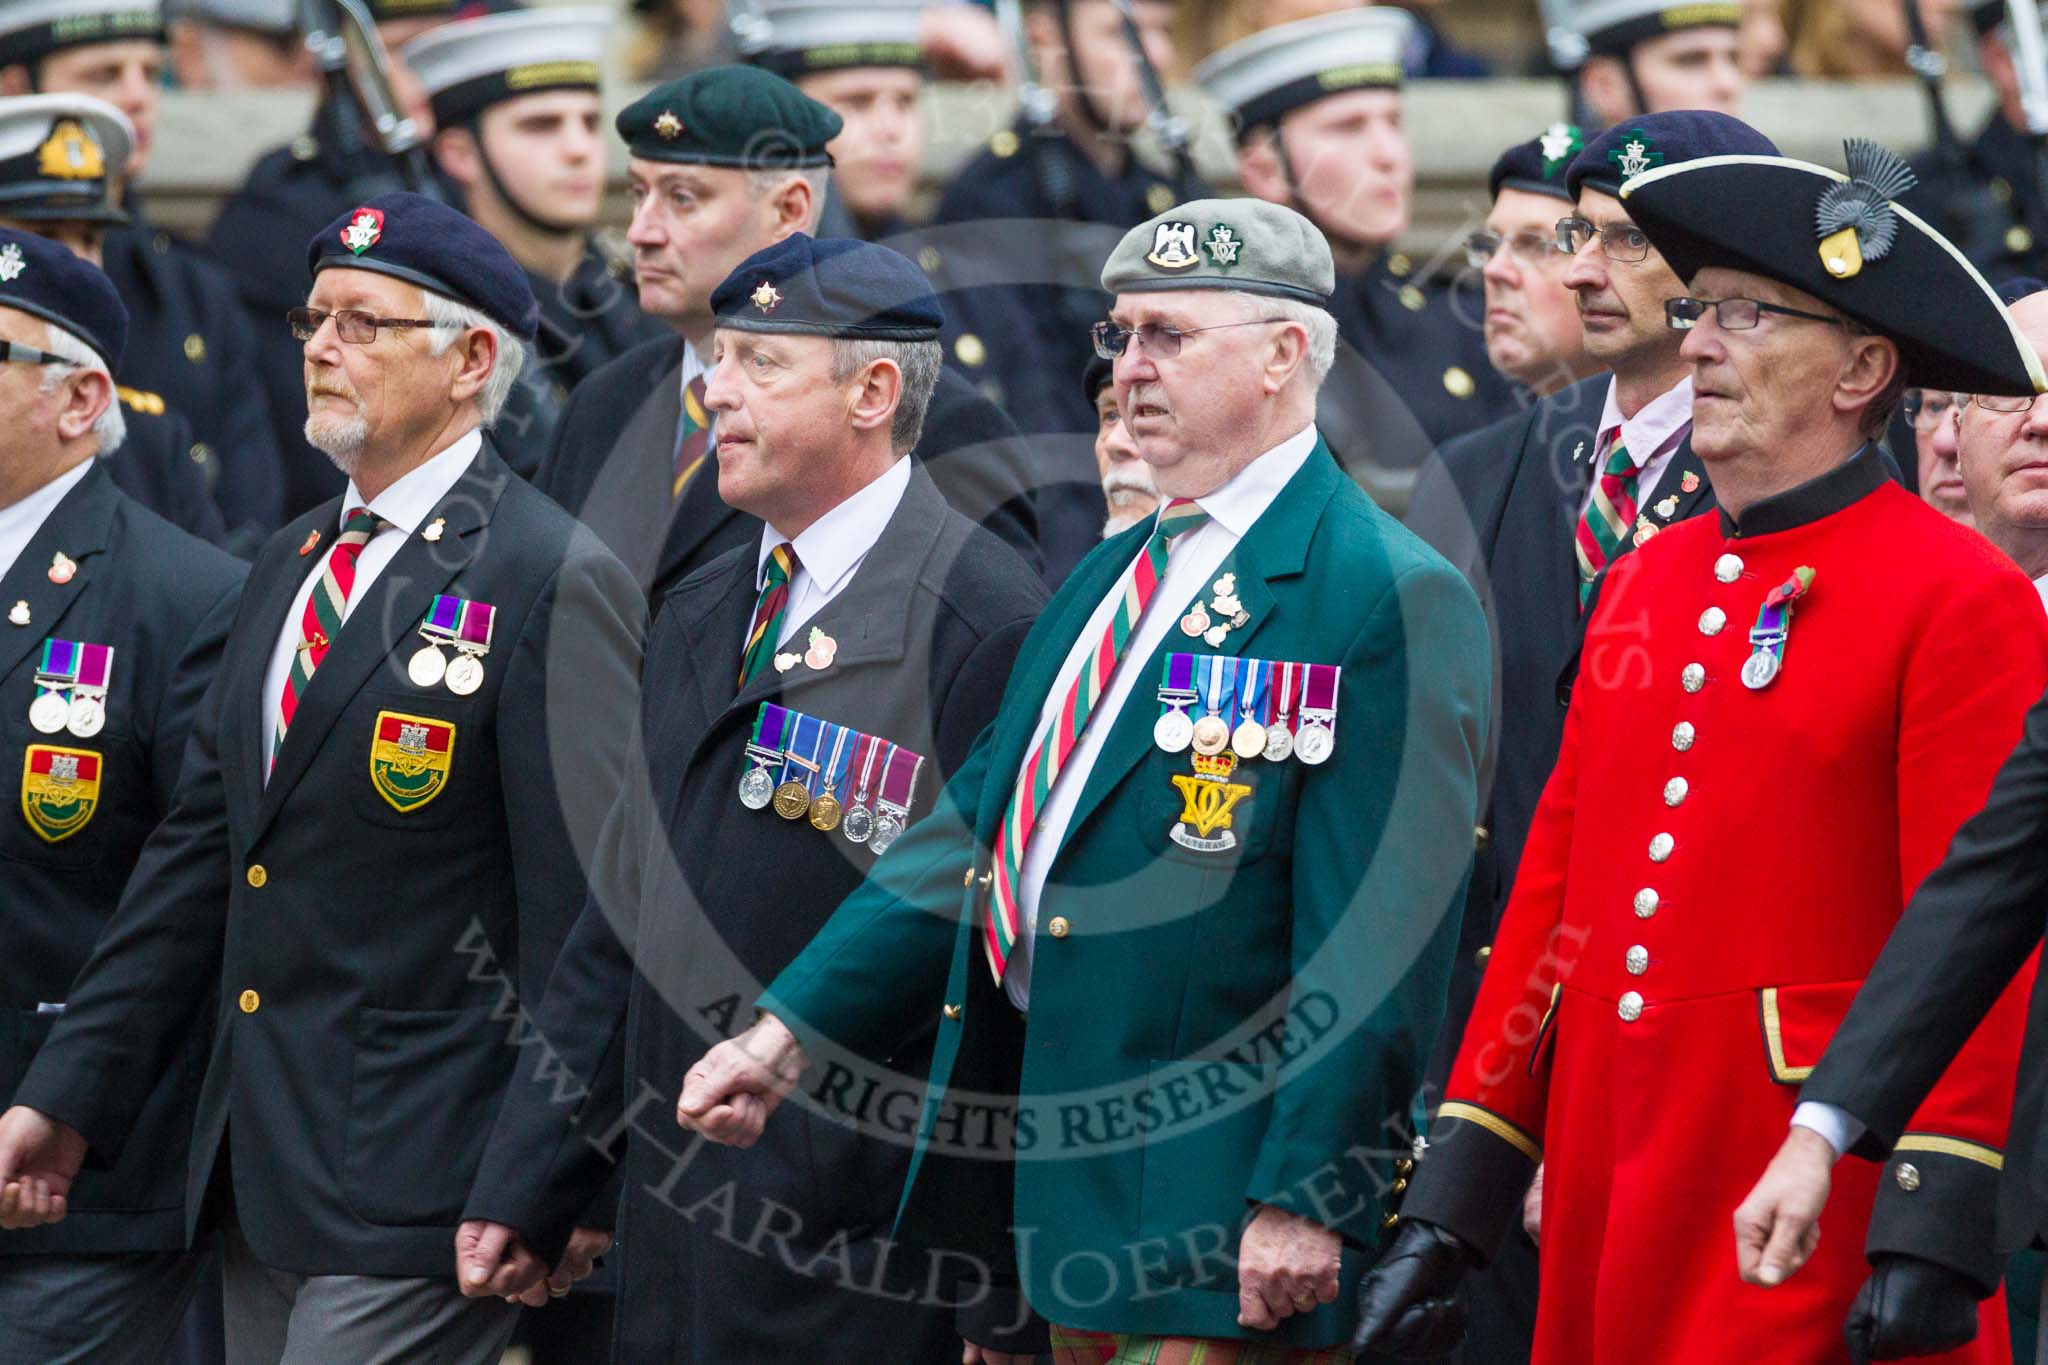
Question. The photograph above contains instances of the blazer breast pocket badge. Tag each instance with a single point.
(410, 758)
(60, 789)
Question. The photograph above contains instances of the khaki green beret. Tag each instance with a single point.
(1239, 244)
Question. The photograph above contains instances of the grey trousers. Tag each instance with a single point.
(95, 1310)
(277, 1318)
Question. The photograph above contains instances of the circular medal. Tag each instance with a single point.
(88, 715)
(49, 712)
(1248, 740)
(858, 824)
(825, 813)
(792, 801)
(888, 826)
(1279, 744)
(1760, 670)
(465, 675)
(757, 789)
(1313, 744)
(1173, 731)
(1210, 735)
(427, 667)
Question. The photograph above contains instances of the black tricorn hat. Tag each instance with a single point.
(1844, 240)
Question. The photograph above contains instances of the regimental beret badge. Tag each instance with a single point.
(667, 126)
(365, 226)
(1855, 220)
(1635, 155)
(1559, 143)
(766, 297)
(1173, 246)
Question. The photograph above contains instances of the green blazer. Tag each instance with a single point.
(1213, 1031)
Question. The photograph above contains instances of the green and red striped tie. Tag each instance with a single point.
(766, 632)
(322, 620)
(1609, 515)
(1020, 819)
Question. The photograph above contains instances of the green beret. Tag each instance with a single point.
(730, 116)
(1239, 244)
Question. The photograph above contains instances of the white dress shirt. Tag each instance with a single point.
(1191, 562)
(1652, 436)
(405, 505)
(19, 521)
(2040, 586)
(832, 547)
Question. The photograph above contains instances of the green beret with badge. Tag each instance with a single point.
(1245, 245)
(737, 116)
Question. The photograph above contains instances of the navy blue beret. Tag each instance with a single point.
(729, 116)
(421, 241)
(1643, 144)
(41, 277)
(2019, 287)
(1097, 376)
(830, 286)
(1539, 164)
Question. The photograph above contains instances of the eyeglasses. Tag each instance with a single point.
(29, 355)
(1737, 315)
(351, 324)
(1530, 248)
(1926, 409)
(1622, 242)
(1998, 402)
(1155, 340)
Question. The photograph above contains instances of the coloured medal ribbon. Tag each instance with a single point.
(1773, 630)
(1283, 689)
(1317, 737)
(1216, 675)
(55, 676)
(1174, 730)
(793, 796)
(757, 787)
(899, 784)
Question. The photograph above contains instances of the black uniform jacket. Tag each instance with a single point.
(162, 601)
(613, 465)
(369, 948)
(700, 901)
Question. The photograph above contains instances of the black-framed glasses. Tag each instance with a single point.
(1156, 340)
(352, 325)
(1736, 314)
(1998, 402)
(1926, 409)
(1622, 242)
(29, 355)
(1530, 248)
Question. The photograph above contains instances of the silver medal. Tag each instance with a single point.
(1173, 731)
(888, 827)
(49, 712)
(858, 824)
(1760, 670)
(1279, 744)
(87, 716)
(427, 667)
(465, 675)
(1314, 743)
(757, 789)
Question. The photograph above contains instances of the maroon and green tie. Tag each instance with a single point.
(321, 622)
(768, 613)
(1604, 529)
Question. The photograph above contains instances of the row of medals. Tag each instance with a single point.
(1211, 735)
(83, 716)
(793, 801)
(429, 667)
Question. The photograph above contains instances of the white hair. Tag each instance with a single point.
(1320, 325)
(458, 317)
(920, 362)
(111, 426)
(766, 182)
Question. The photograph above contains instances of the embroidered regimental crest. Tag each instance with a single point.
(60, 789)
(71, 152)
(409, 759)
(1208, 804)
(1635, 155)
(365, 226)
(1222, 245)
(1173, 247)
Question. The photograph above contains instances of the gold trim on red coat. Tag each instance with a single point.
(1948, 1146)
(1494, 1124)
(1774, 1040)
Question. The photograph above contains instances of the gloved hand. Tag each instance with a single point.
(1409, 1306)
(1910, 1307)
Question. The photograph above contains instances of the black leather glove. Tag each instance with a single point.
(1910, 1307)
(1409, 1306)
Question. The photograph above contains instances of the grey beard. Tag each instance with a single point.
(341, 442)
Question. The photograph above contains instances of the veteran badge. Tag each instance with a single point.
(60, 789)
(1209, 804)
(365, 226)
(1173, 247)
(409, 758)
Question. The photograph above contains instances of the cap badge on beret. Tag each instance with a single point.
(365, 226)
(766, 297)
(1222, 245)
(1636, 155)
(668, 127)
(1173, 247)
(1560, 142)
(1855, 220)
(71, 153)
(11, 263)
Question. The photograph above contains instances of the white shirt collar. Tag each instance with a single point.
(692, 367)
(833, 546)
(407, 501)
(2041, 586)
(1654, 427)
(20, 520)
(1245, 498)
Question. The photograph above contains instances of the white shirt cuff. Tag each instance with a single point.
(1838, 1126)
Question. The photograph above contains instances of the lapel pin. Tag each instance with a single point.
(785, 662)
(822, 649)
(1667, 506)
(1690, 483)
(434, 530)
(1577, 451)
(18, 613)
(306, 548)
(62, 567)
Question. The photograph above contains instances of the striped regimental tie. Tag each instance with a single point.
(1604, 529)
(768, 613)
(693, 437)
(1020, 818)
(322, 620)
